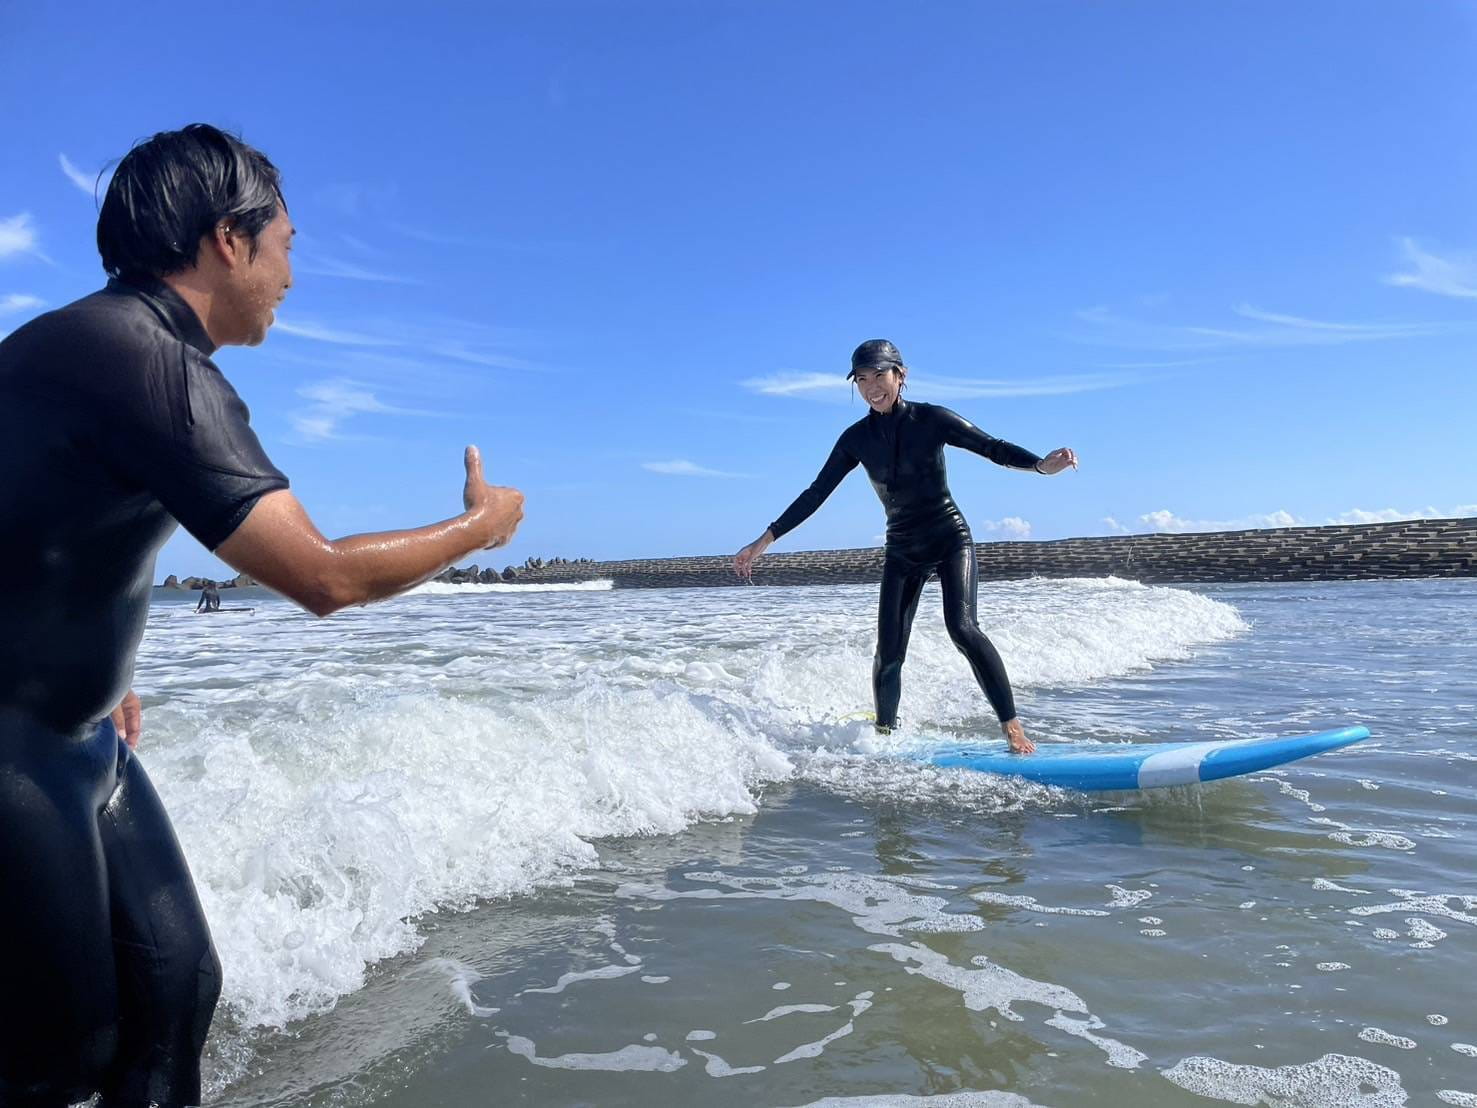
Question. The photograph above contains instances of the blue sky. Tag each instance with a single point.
(1226, 252)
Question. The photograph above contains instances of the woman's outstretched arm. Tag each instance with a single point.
(959, 432)
(838, 465)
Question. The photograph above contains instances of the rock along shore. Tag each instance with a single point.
(1410, 548)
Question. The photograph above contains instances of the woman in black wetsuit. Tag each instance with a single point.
(901, 446)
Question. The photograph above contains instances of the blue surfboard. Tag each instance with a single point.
(1142, 765)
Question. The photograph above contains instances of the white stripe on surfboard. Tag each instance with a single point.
(1175, 767)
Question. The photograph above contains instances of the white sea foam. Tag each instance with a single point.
(1381, 1037)
(1127, 898)
(1353, 836)
(440, 588)
(317, 843)
(600, 973)
(1424, 932)
(859, 1004)
(1030, 904)
(1323, 884)
(1332, 1081)
(1120, 1055)
(333, 781)
(1452, 906)
(714, 1066)
(877, 906)
(991, 1099)
(627, 1059)
(989, 985)
(791, 1009)
(461, 977)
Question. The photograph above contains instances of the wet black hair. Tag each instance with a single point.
(170, 190)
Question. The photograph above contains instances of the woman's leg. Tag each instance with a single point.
(168, 973)
(896, 606)
(959, 578)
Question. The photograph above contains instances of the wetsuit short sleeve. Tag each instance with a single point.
(187, 439)
(958, 431)
(841, 462)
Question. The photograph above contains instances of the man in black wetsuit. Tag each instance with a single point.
(115, 426)
(901, 446)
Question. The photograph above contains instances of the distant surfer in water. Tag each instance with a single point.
(901, 446)
(116, 427)
(210, 599)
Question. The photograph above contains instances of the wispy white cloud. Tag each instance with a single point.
(681, 467)
(1165, 520)
(1454, 275)
(306, 329)
(358, 199)
(1169, 363)
(833, 386)
(333, 403)
(798, 384)
(1350, 330)
(18, 236)
(354, 242)
(1011, 527)
(420, 234)
(88, 184)
(963, 388)
(461, 352)
(1396, 515)
(465, 344)
(19, 302)
(461, 238)
(322, 265)
(1169, 522)
(1274, 329)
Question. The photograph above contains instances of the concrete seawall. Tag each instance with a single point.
(1415, 548)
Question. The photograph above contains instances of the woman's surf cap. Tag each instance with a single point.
(874, 354)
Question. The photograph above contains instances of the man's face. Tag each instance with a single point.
(259, 284)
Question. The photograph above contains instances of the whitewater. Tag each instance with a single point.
(343, 788)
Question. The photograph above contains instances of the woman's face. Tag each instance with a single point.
(880, 387)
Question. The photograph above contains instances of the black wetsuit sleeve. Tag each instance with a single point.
(958, 431)
(187, 439)
(838, 465)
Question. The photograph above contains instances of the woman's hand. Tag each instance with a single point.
(1064, 457)
(743, 561)
(1015, 735)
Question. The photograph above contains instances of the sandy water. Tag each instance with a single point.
(610, 847)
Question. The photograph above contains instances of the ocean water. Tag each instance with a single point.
(483, 845)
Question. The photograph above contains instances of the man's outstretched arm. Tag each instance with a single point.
(279, 546)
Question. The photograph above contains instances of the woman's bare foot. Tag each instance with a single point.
(1015, 735)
